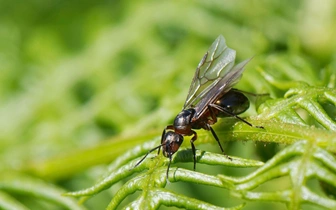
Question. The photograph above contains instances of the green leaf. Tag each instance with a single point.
(84, 84)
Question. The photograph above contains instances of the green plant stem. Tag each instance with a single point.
(282, 133)
(278, 132)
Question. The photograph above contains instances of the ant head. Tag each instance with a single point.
(170, 143)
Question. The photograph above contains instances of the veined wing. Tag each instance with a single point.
(215, 75)
(214, 72)
(215, 64)
(219, 89)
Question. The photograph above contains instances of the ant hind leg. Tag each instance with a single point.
(217, 139)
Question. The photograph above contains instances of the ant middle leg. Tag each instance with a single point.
(214, 120)
(193, 148)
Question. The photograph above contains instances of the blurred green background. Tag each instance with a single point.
(76, 74)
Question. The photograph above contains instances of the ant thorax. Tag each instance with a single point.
(182, 121)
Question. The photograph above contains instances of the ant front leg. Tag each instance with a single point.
(193, 148)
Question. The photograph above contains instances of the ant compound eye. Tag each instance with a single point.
(179, 139)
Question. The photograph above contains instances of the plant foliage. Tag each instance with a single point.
(309, 156)
(90, 84)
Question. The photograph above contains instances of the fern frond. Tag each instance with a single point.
(301, 161)
(298, 119)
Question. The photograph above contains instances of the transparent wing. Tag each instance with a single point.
(218, 90)
(215, 75)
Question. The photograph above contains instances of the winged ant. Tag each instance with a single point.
(210, 96)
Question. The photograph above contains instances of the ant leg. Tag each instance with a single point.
(193, 147)
(219, 108)
(217, 139)
(214, 120)
(162, 136)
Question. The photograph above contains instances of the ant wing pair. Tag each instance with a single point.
(210, 96)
